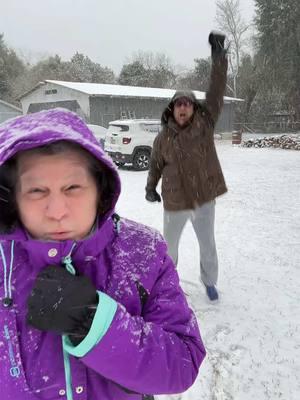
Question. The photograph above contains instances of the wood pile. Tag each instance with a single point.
(291, 142)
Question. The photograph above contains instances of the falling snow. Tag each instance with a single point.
(252, 334)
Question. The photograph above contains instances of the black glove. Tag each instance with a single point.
(63, 303)
(152, 195)
(216, 40)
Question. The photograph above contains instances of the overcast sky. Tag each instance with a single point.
(110, 31)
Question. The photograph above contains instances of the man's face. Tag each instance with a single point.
(183, 111)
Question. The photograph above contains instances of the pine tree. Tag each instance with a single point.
(278, 25)
(11, 66)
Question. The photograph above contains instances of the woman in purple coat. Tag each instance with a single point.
(91, 307)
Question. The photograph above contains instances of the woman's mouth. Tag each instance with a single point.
(61, 235)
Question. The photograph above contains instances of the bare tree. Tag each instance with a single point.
(230, 22)
(148, 69)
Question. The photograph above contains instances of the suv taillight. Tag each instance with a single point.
(126, 140)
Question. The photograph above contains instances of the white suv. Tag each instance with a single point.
(130, 141)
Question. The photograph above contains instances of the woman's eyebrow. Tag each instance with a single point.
(28, 179)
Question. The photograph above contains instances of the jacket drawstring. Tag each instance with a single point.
(67, 261)
(68, 375)
(7, 300)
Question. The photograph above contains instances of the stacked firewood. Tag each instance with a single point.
(291, 142)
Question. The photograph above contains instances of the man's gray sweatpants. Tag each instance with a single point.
(203, 221)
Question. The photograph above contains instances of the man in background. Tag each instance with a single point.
(184, 155)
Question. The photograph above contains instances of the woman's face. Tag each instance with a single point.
(56, 195)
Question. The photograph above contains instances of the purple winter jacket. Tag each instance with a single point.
(152, 343)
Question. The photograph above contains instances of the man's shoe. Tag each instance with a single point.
(212, 293)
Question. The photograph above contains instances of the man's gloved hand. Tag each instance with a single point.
(216, 40)
(152, 195)
(63, 303)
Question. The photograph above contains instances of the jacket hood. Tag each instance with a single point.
(45, 127)
(168, 111)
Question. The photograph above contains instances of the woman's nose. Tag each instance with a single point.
(56, 207)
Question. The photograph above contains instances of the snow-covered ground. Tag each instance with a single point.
(252, 335)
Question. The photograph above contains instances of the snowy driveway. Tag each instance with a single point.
(252, 335)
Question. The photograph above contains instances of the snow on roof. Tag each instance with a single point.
(101, 89)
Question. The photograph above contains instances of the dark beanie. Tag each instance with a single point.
(184, 94)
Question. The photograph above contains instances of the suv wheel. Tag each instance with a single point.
(141, 160)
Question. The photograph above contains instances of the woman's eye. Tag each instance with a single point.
(73, 187)
(35, 190)
(36, 193)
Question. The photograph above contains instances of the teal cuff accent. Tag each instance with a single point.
(68, 375)
(104, 315)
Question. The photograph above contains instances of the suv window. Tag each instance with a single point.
(152, 128)
(122, 128)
